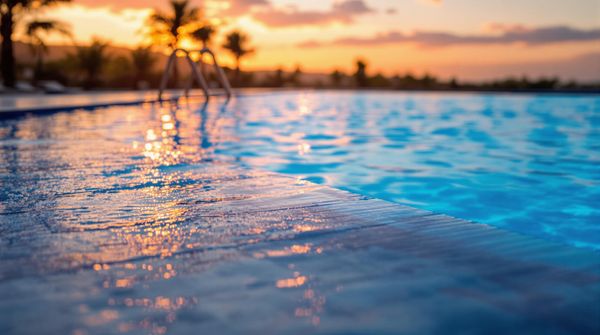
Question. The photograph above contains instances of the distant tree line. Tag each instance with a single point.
(95, 66)
(408, 81)
(360, 79)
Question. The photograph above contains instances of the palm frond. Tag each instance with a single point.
(169, 28)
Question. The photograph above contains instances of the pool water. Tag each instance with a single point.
(527, 163)
(164, 219)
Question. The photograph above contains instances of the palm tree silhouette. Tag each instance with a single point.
(143, 60)
(336, 78)
(203, 34)
(36, 32)
(361, 73)
(11, 11)
(236, 42)
(169, 28)
(91, 61)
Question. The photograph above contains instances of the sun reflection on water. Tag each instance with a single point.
(163, 149)
(140, 189)
(297, 281)
(303, 148)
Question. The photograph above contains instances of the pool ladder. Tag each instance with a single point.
(196, 73)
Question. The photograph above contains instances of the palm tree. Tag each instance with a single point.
(143, 60)
(236, 43)
(336, 78)
(361, 73)
(91, 60)
(36, 32)
(295, 76)
(169, 28)
(10, 13)
(203, 34)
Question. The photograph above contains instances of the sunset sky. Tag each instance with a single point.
(470, 39)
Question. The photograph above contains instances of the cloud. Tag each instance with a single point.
(121, 4)
(530, 36)
(264, 11)
(342, 12)
(433, 2)
(241, 7)
(230, 7)
(351, 7)
(497, 27)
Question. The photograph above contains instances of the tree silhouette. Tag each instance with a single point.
(361, 74)
(169, 28)
(454, 83)
(336, 78)
(36, 32)
(278, 78)
(143, 60)
(236, 42)
(90, 60)
(295, 76)
(11, 13)
(203, 34)
(428, 81)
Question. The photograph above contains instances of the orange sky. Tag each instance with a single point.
(469, 39)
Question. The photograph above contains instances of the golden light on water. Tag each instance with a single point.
(303, 110)
(148, 218)
(150, 135)
(303, 148)
(291, 282)
(162, 149)
(296, 249)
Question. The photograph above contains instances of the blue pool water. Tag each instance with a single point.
(527, 163)
(144, 219)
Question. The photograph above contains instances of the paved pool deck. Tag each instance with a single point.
(212, 247)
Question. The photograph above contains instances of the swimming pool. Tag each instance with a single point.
(139, 219)
(527, 163)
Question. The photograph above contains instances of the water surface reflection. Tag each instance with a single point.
(141, 220)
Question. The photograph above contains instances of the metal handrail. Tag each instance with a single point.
(196, 73)
(218, 71)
